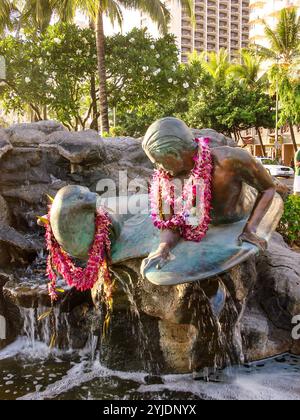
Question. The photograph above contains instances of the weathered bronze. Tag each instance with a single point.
(170, 145)
(246, 210)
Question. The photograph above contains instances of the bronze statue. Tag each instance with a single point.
(246, 210)
(170, 145)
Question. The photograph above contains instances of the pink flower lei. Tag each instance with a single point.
(190, 213)
(60, 263)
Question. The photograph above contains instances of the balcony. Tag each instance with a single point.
(186, 49)
(186, 24)
(223, 41)
(186, 42)
(223, 23)
(211, 30)
(199, 45)
(211, 21)
(187, 34)
(199, 10)
(223, 15)
(211, 47)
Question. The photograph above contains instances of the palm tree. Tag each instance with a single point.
(38, 13)
(7, 7)
(41, 12)
(249, 72)
(156, 9)
(283, 54)
(217, 64)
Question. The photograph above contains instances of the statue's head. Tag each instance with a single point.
(73, 219)
(169, 144)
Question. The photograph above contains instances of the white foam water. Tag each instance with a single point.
(274, 381)
(57, 374)
(40, 331)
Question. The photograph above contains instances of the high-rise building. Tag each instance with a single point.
(266, 12)
(218, 24)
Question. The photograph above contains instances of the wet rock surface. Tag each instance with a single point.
(5, 144)
(169, 329)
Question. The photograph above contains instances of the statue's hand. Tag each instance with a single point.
(159, 259)
(253, 239)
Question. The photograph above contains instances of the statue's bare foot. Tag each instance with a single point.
(253, 239)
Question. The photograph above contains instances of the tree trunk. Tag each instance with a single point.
(261, 142)
(93, 92)
(102, 71)
(293, 137)
(94, 124)
(45, 112)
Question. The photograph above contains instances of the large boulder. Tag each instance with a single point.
(279, 283)
(20, 137)
(84, 147)
(46, 127)
(5, 144)
(31, 135)
(261, 339)
(5, 216)
(16, 248)
(10, 322)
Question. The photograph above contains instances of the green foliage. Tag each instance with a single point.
(229, 106)
(289, 225)
(54, 69)
(145, 80)
(50, 70)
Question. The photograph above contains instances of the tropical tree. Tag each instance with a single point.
(7, 7)
(250, 73)
(283, 54)
(156, 9)
(40, 11)
(217, 64)
(249, 70)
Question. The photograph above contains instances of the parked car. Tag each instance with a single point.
(276, 169)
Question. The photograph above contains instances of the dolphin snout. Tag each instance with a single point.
(90, 199)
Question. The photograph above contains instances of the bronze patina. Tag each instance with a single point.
(246, 210)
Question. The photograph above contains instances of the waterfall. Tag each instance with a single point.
(40, 331)
(138, 329)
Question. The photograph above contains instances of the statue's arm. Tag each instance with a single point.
(168, 241)
(254, 174)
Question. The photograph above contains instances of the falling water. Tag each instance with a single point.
(40, 331)
(138, 329)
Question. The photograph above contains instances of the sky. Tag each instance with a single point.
(131, 19)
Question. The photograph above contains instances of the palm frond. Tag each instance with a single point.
(217, 64)
(155, 9)
(64, 9)
(114, 12)
(38, 13)
(7, 7)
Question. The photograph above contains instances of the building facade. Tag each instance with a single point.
(219, 24)
(267, 12)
